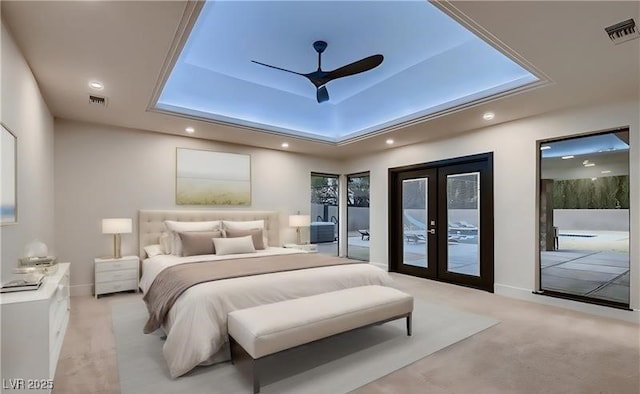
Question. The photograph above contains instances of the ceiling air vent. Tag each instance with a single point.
(97, 100)
(623, 31)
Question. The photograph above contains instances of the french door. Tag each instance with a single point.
(441, 221)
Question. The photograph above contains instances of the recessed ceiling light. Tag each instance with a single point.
(545, 147)
(605, 171)
(190, 130)
(285, 145)
(488, 116)
(590, 164)
(96, 85)
(389, 141)
(568, 157)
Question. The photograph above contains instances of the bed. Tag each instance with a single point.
(196, 323)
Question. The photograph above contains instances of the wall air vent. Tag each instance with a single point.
(97, 100)
(623, 31)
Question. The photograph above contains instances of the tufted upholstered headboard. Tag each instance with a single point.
(151, 223)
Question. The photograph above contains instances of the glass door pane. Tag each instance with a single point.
(358, 217)
(415, 193)
(584, 218)
(323, 230)
(463, 213)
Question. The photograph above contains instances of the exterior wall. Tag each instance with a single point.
(591, 219)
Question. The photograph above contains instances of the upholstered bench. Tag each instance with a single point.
(268, 329)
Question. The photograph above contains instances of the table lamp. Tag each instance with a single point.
(116, 226)
(298, 221)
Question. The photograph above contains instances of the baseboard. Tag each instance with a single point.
(632, 316)
(81, 290)
(380, 265)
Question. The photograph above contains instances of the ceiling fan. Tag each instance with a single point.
(320, 78)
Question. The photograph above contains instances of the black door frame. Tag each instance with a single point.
(486, 281)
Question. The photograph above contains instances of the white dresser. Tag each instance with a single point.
(112, 275)
(33, 328)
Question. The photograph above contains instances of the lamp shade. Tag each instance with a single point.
(117, 226)
(299, 220)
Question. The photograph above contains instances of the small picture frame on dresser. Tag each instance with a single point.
(113, 275)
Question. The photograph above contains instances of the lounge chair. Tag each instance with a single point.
(415, 238)
(364, 234)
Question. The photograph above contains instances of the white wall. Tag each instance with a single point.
(515, 180)
(104, 171)
(25, 113)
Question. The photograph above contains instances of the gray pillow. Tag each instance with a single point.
(198, 242)
(255, 233)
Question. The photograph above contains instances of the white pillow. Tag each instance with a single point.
(247, 225)
(237, 245)
(175, 227)
(153, 250)
(165, 242)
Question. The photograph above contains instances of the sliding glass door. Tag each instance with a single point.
(584, 218)
(359, 234)
(323, 230)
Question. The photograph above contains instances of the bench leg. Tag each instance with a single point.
(409, 324)
(256, 380)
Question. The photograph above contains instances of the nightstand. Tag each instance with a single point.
(309, 248)
(113, 275)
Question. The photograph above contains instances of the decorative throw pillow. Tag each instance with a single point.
(247, 225)
(175, 227)
(226, 246)
(198, 242)
(153, 250)
(255, 233)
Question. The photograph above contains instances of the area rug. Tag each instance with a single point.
(336, 365)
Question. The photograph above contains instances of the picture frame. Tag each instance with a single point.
(212, 178)
(8, 176)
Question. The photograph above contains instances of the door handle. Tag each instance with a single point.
(432, 231)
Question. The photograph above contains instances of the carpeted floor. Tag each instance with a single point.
(336, 365)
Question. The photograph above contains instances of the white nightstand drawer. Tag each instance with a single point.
(112, 287)
(116, 265)
(110, 276)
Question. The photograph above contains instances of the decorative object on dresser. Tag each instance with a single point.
(114, 275)
(36, 259)
(212, 178)
(23, 282)
(116, 226)
(33, 328)
(298, 221)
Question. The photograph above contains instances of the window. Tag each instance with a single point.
(584, 218)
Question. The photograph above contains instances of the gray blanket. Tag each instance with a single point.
(175, 280)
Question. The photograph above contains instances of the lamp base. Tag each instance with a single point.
(116, 247)
(297, 235)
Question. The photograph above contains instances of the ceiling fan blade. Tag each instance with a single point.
(277, 68)
(322, 94)
(357, 67)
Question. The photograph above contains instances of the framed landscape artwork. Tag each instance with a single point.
(8, 201)
(212, 178)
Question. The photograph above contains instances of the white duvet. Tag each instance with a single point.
(196, 325)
